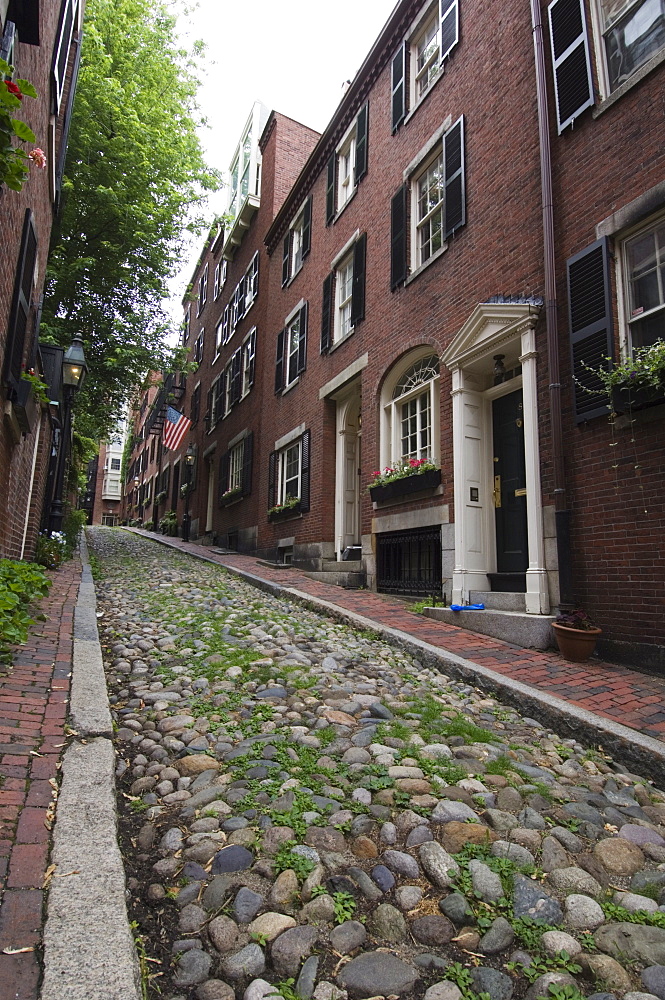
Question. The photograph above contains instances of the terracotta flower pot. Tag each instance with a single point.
(574, 643)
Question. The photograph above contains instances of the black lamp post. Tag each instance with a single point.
(139, 505)
(190, 458)
(74, 370)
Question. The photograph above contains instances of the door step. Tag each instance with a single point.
(530, 631)
(352, 580)
(502, 583)
(499, 601)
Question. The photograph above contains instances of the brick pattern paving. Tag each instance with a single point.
(615, 692)
(34, 694)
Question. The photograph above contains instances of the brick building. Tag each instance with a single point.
(480, 224)
(41, 40)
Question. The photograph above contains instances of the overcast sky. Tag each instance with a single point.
(293, 55)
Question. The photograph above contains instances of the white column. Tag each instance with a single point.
(537, 595)
(470, 571)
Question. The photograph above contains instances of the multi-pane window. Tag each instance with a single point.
(644, 257)
(427, 51)
(251, 283)
(216, 401)
(292, 348)
(344, 288)
(198, 347)
(632, 32)
(220, 277)
(297, 242)
(219, 335)
(429, 210)
(195, 404)
(236, 456)
(186, 325)
(288, 472)
(248, 356)
(296, 245)
(203, 289)
(115, 464)
(346, 171)
(410, 414)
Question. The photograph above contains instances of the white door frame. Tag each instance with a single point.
(346, 407)
(507, 329)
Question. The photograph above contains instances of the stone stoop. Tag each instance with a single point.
(346, 573)
(531, 631)
(498, 601)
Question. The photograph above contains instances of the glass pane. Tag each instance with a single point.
(642, 253)
(634, 39)
(644, 332)
(645, 293)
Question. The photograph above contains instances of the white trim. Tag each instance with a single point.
(336, 261)
(32, 483)
(294, 312)
(344, 376)
(424, 152)
(238, 438)
(289, 437)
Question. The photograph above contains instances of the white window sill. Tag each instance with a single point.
(423, 267)
(291, 385)
(347, 202)
(636, 78)
(342, 340)
(216, 358)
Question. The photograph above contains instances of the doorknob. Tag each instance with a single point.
(497, 491)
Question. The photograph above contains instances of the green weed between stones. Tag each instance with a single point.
(286, 860)
(614, 912)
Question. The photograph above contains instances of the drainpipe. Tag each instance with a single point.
(561, 512)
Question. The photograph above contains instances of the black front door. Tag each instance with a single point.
(510, 484)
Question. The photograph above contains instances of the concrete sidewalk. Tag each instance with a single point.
(601, 702)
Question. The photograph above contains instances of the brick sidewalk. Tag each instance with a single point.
(612, 691)
(34, 694)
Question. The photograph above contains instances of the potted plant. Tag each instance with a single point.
(281, 511)
(409, 476)
(636, 382)
(575, 635)
(169, 523)
(160, 498)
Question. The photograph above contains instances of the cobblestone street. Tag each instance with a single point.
(307, 808)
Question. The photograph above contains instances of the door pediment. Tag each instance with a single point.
(491, 325)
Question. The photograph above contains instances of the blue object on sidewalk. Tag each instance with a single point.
(467, 607)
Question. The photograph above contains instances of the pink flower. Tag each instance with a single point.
(13, 89)
(38, 157)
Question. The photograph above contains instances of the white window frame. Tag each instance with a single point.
(600, 32)
(624, 285)
(342, 326)
(226, 383)
(291, 349)
(220, 277)
(187, 325)
(345, 184)
(116, 467)
(418, 223)
(391, 412)
(216, 393)
(251, 283)
(199, 344)
(248, 356)
(283, 486)
(433, 65)
(236, 462)
(296, 243)
(203, 290)
(219, 338)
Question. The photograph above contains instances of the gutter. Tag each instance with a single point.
(562, 514)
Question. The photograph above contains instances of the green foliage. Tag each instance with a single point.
(13, 160)
(614, 912)
(286, 860)
(345, 906)
(51, 549)
(645, 369)
(39, 387)
(134, 181)
(558, 992)
(72, 525)
(286, 989)
(20, 583)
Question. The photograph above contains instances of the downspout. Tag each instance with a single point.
(561, 511)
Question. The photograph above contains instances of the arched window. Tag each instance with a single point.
(410, 405)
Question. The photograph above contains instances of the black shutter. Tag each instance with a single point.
(307, 228)
(398, 79)
(330, 190)
(304, 471)
(240, 294)
(326, 314)
(449, 26)
(63, 42)
(570, 59)
(398, 238)
(247, 465)
(455, 193)
(20, 312)
(272, 479)
(224, 467)
(252, 362)
(362, 128)
(286, 259)
(279, 362)
(591, 340)
(302, 342)
(358, 287)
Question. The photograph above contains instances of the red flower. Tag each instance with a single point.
(13, 89)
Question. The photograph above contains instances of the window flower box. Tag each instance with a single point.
(626, 399)
(26, 406)
(231, 496)
(282, 512)
(405, 485)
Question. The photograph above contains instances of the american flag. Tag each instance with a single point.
(176, 426)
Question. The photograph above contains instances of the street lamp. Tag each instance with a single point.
(139, 505)
(74, 369)
(190, 458)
